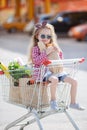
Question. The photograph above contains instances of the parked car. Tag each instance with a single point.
(79, 32)
(65, 20)
(45, 17)
(13, 24)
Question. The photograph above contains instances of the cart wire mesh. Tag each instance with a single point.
(21, 89)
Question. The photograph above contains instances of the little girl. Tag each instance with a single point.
(44, 48)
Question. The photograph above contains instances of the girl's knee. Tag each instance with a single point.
(54, 80)
(74, 82)
(70, 80)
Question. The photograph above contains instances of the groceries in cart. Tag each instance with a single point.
(16, 69)
(4, 69)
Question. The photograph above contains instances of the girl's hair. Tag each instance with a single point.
(34, 40)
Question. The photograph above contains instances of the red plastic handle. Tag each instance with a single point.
(82, 60)
(1, 72)
(47, 62)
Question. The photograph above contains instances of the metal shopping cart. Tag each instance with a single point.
(24, 91)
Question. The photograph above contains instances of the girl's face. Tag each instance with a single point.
(45, 36)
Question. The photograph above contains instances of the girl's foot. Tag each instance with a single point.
(76, 106)
(54, 105)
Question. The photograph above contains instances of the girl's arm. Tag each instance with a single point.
(38, 57)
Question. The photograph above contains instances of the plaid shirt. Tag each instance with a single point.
(38, 58)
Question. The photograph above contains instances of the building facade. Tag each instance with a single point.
(34, 7)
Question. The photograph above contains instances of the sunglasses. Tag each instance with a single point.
(43, 36)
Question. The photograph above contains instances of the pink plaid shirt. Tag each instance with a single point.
(38, 58)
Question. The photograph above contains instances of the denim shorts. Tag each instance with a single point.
(48, 74)
(61, 78)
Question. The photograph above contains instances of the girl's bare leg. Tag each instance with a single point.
(53, 86)
(73, 83)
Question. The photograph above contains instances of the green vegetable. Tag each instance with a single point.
(17, 71)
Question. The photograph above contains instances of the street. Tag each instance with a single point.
(13, 45)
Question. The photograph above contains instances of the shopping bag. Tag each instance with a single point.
(14, 92)
(33, 95)
(58, 68)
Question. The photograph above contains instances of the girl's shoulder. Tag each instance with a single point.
(36, 48)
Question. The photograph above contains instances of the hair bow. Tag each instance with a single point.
(41, 25)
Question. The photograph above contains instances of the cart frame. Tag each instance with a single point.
(42, 112)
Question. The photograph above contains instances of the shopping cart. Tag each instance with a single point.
(35, 95)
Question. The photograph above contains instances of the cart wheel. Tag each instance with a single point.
(21, 128)
(12, 30)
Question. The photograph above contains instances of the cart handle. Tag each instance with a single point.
(82, 60)
(65, 61)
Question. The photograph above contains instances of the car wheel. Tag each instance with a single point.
(12, 30)
(79, 40)
(85, 38)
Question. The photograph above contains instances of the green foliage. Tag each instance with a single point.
(17, 71)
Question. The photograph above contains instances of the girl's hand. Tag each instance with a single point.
(61, 55)
(41, 46)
